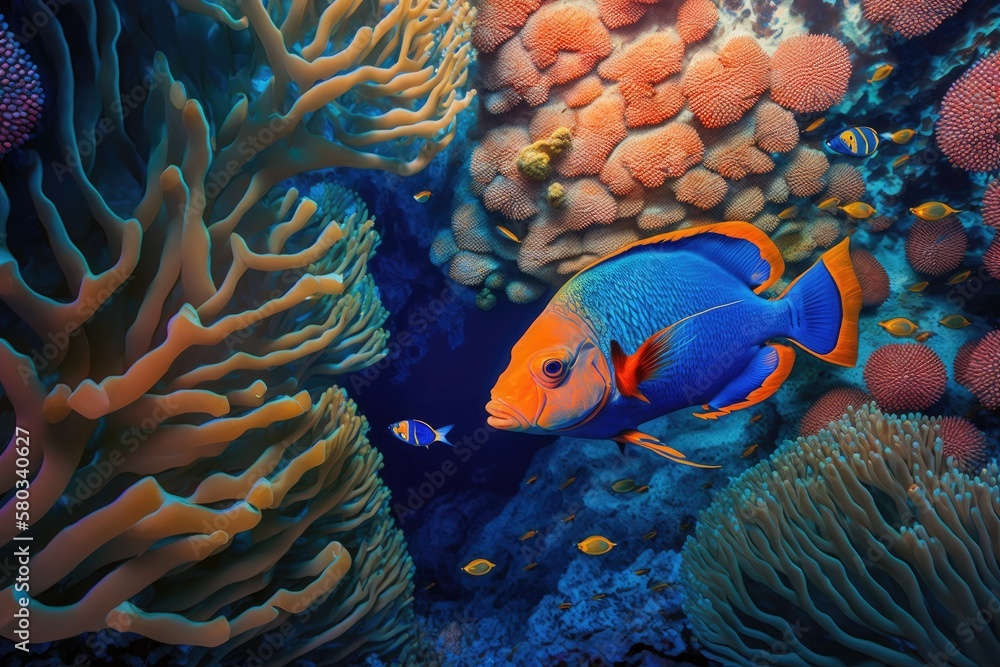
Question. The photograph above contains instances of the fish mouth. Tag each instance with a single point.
(504, 417)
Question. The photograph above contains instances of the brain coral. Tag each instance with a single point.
(21, 95)
(830, 407)
(810, 73)
(671, 123)
(968, 130)
(911, 18)
(857, 546)
(937, 247)
(196, 478)
(905, 376)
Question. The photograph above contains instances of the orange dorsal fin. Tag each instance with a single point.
(647, 363)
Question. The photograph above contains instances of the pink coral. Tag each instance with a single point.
(962, 440)
(21, 95)
(977, 366)
(991, 205)
(649, 159)
(991, 259)
(565, 41)
(910, 18)
(905, 377)
(968, 130)
(618, 13)
(810, 73)
(830, 407)
(936, 247)
(872, 276)
(498, 20)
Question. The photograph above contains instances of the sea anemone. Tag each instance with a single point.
(936, 247)
(905, 376)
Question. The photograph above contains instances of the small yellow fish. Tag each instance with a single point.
(528, 535)
(959, 278)
(565, 605)
(902, 136)
(933, 210)
(789, 212)
(642, 489)
(815, 124)
(569, 518)
(567, 482)
(828, 203)
(531, 480)
(858, 209)
(881, 73)
(899, 326)
(641, 571)
(596, 545)
(918, 287)
(623, 486)
(530, 566)
(749, 450)
(922, 337)
(478, 567)
(429, 586)
(509, 234)
(954, 321)
(708, 485)
(756, 418)
(650, 535)
(656, 588)
(422, 196)
(599, 596)
(900, 160)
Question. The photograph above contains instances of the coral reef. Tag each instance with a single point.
(673, 119)
(855, 546)
(977, 367)
(21, 94)
(937, 247)
(872, 276)
(830, 407)
(911, 18)
(195, 479)
(961, 439)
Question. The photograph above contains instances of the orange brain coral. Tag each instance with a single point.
(701, 187)
(805, 172)
(721, 89)
(650, 105)
(599, 127)
(695, 19)
(775, 129)
(565, 41)
(734, 155)
(810, 73)
(650, 60)
(618, 13)
(650, 158)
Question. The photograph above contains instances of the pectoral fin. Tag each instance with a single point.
(762, 377)
(646, 441)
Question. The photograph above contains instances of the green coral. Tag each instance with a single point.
(858, 546)
(535, 160)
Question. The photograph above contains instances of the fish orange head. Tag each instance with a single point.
(557, 379)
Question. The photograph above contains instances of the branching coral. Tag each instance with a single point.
(668, 112)
(194, 478)
(855, 546)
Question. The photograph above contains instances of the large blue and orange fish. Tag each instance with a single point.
(670, 322)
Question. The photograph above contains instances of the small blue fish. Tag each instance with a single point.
(854, 141)
(420, 434)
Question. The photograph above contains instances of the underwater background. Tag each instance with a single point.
(200, 494)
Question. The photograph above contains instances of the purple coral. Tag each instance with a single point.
(21, 95)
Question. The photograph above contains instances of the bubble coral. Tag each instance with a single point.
(859, 545)
(872, 276)
(809, 73)
(905, 376)
(830, 407)
(968, 131)
(961, 439)
(21, 94)
(910, 18)
(937, 247)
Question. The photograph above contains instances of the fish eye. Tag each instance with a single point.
(553, 368)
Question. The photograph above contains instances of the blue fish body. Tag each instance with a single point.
(419, 434)
(855, 141)
(671, 322)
